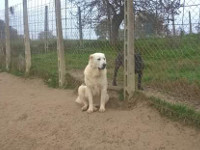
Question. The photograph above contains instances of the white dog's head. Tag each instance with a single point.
(97, 60)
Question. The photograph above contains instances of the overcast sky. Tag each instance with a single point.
(36, 17)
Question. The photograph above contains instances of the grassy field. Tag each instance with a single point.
(45, 65)
(177, 112)
(170, 63)
(165, 59)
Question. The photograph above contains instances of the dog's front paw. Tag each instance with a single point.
(90, 110)
(84, 108)
(102, 109)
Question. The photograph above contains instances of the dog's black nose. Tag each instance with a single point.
(104, 66)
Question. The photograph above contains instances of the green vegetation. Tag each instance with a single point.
(166, 59)
(45, 66)
(171, 59)
(177, 112)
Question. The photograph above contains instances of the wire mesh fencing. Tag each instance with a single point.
(42, 26)
(85, 32)
(2, 39)
(166, 41)
(17, 38)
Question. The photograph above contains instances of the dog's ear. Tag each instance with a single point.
(91, 57)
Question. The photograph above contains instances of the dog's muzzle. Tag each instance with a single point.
(103, 67)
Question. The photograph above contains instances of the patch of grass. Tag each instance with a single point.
(45, 66)
(52, 80)
(166, 59)
(121, 95)
(71, 82)
(178, 112)
(2, 69)
(180, 88)
(17, 73)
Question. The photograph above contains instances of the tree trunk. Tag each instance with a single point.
(116, 21)
(115, 33)
(109, 21)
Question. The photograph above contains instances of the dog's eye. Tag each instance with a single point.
(99, 59)
(104, 58)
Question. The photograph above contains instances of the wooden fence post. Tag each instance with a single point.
(7, 32)
(26, 38)
(60, 44)
(129, 58)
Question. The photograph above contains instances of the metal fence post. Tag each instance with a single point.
(60, 44)
(7, 32)
(190, 22)
(46, 30)
(129, 59)
(26, 38)
(80, 27)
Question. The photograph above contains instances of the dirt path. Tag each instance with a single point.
(33, 116)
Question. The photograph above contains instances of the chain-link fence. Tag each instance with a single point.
(168, 39)
(17, 38)
(2, 39)
(167, 47)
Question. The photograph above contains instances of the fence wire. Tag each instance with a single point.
(2, 39)
(17, 37)
(167, 47)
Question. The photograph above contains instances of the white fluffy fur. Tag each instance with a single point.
(95, 88)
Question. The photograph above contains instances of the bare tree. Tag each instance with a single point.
(148, 24)
(170, 8)
(13, 31)
(113, 11)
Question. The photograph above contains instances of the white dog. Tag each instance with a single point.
(95, 88)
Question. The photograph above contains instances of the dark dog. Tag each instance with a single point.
(139, 66)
